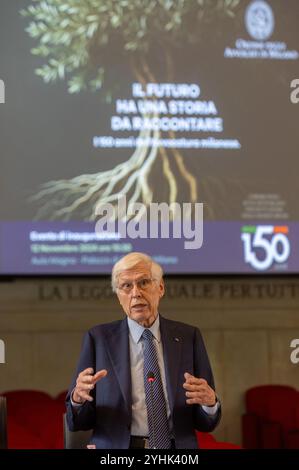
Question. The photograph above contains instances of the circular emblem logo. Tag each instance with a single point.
(259, 20)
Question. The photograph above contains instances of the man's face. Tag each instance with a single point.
(139, 295)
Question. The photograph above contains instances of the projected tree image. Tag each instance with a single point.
(82, 42)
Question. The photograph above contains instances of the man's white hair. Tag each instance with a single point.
(130, 261)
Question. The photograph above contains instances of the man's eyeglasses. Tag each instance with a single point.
(142, 284)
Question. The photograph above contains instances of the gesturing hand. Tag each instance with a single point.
(198, 391)
(85, 382)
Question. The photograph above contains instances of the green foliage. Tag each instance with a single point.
(80, 39)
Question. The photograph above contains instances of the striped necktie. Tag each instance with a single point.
(159, 435)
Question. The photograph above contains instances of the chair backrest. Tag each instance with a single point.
(264, 401)
(61, 397)
(75, 439)
(3, 423)
(38, 414)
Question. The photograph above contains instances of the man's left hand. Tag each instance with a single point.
(198, 391)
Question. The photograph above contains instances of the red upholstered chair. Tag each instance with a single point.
(20, 437)
(206, 440)
(34, 420)
(271, 418)
(60, 398)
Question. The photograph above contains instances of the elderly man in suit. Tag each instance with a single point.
(144, 381)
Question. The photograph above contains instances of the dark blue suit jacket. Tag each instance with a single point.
(109, 415)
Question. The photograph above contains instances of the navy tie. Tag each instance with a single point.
(159, 435)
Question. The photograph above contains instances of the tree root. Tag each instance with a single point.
(85, 194)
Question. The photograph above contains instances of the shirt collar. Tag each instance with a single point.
(136, 330)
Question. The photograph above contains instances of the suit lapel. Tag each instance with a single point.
(172, 348)
(119, 352)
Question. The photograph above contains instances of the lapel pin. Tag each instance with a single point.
(177, 340)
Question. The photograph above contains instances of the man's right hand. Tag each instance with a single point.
(85, 382)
